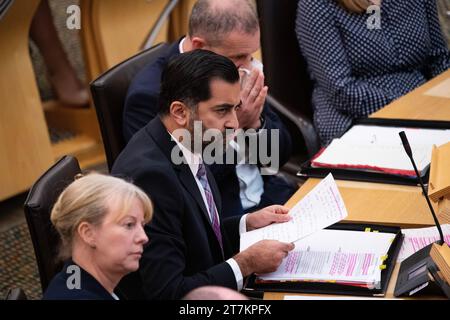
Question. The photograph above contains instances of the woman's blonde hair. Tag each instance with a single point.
(357, 6)
(87, 200)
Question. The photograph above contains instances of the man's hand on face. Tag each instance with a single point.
(253, 96)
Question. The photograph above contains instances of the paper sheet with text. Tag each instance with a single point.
(416, 239)
(381, 147)
(336, 255)
(320, 208)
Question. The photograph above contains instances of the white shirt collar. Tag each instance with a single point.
(115, 297)
(193, 159)
(180, 45)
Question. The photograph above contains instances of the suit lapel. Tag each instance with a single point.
(162, 138)
(186, 178)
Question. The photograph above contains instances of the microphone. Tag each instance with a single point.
(414, 272)
(408, 151)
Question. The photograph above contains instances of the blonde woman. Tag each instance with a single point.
(100, 220)
(363, 54)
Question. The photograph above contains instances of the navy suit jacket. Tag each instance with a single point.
(183, 252)
(141, 106)
(90, 288)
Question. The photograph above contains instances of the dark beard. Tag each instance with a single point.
(219, 141)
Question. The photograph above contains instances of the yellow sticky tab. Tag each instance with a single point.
(384, 258)
(376, 231)
(368, 229)
(382, 267)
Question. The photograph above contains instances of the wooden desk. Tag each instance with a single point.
(388, 204)
(419, 104)
(375, 203)
(378, 203)
(25, 148)
(389, 291)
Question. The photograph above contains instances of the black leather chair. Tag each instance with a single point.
(109, 92)
(38, 205)
(286, 75)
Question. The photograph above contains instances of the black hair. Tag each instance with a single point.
(187, 78)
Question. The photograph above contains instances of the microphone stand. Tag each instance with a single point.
(414, 271)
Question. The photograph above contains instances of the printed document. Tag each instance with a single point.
(416, 239)
(320, 208)
(378, 148)
(336, 255)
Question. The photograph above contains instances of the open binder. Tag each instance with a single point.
(410, 123)
(254, 283)
(307, 171)
(359, 170)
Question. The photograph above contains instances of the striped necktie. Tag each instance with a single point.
(212, 210)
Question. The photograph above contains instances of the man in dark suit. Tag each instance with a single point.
(189, 242)
(229, 28)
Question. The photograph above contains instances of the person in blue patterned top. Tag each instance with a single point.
(363, 54)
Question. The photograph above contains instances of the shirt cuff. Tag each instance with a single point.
(258, 130)
(263, 123)
(243, 224)
(237, 273)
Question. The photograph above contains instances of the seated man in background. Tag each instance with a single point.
(190, 241)
(229, 28)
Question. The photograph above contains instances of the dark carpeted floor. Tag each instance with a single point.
(17, 262)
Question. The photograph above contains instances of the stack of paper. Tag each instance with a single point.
(346, 257)
(376, 148)
(416, 239)
(320, 208)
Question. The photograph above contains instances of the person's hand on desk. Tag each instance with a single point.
(266, 255)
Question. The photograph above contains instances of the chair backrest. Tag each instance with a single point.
(284, 65)
(109, 93)
(38, 205)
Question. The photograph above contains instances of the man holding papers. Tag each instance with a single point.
(348, 257)
(320, 208)
(189, 245)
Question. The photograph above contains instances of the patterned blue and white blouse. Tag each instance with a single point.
(357, 70)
